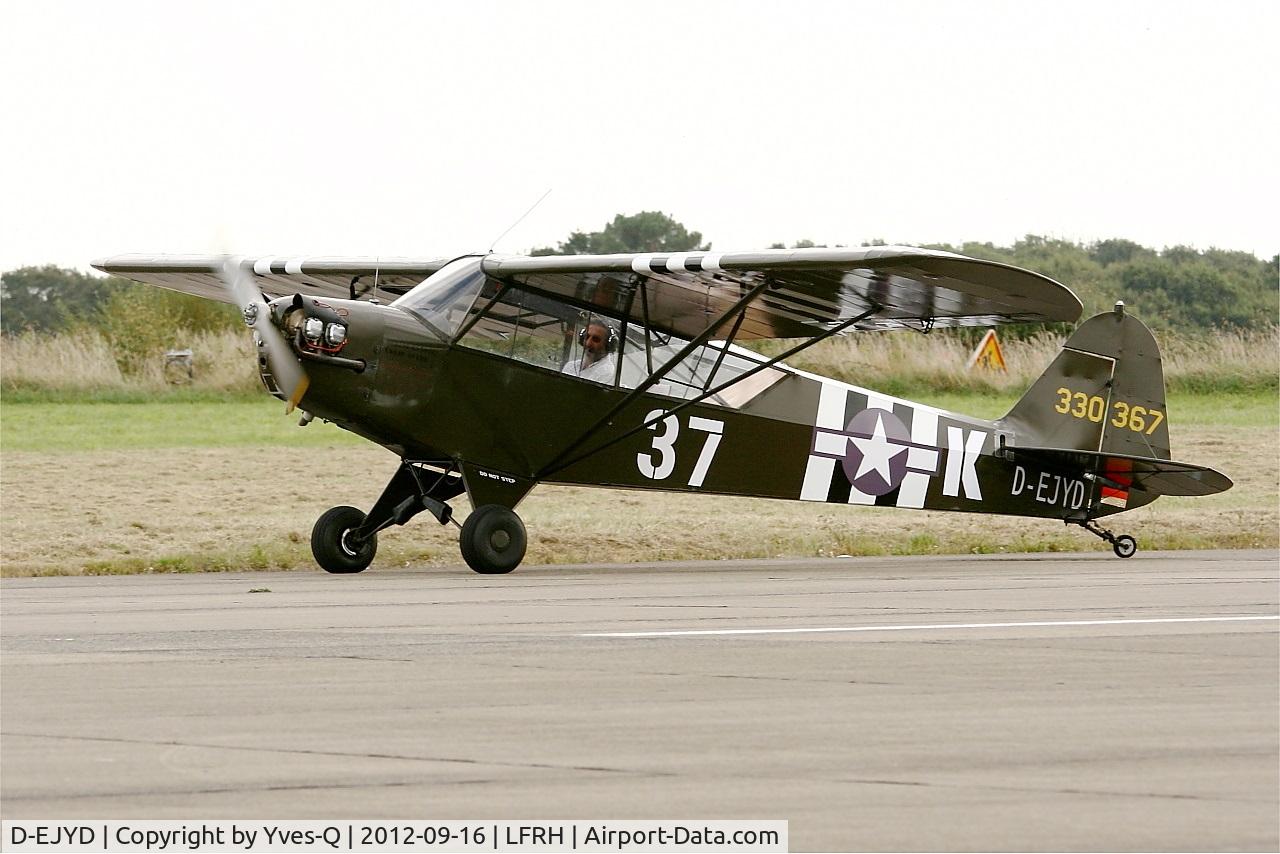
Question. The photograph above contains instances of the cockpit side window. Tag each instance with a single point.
(584, 343)
(537, 330)
(444, 298)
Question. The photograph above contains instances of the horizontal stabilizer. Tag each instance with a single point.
(1125, 471)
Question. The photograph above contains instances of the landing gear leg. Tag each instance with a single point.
(1123, 545)
(345, 540)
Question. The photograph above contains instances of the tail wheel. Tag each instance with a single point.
(493, 540)
(332, 543)
(1124, 546)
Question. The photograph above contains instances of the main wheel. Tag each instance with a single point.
(493, 540)
(331, 541)
(1124, 546)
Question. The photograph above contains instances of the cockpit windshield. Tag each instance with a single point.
(444, 298)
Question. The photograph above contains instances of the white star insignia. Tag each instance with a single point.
(877, 451)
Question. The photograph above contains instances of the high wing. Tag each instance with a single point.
(332, 277)
(808, 290)
(802, 293)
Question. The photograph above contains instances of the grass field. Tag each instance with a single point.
(203, 484)
(232, 423)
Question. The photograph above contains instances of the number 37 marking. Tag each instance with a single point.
(661, 466)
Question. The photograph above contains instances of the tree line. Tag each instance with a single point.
(1173, 288)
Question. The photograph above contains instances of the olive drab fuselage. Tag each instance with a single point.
(805, 437)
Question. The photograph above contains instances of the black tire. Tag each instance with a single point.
(493, 540)
(330, 546)
(1125, 546)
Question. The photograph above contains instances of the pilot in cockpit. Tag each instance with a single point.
(598, 341)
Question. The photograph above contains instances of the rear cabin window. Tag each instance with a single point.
(706, 368)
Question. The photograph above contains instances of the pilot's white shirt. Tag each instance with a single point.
(600, 371)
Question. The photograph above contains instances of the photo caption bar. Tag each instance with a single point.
(412, 835)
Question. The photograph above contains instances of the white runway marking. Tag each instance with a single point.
(931, 627)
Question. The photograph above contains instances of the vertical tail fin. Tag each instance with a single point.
(1104, 392)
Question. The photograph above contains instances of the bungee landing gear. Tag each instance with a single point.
(345, 540)
(492, 540)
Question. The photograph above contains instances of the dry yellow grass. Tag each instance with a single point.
(911, 360)
(902, 361)
(86, 362)
(898, 362)
(225, 361)
(1232, 358)
(58, 362)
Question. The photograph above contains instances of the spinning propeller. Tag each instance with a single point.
(289, 374)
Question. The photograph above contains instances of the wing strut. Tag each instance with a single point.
(626, 318)
(555, 465)
(733, 333)
(656, 377)
(648, 343)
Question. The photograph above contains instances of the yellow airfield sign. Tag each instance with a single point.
(988, 354)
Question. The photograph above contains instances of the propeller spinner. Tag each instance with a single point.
(289, 374)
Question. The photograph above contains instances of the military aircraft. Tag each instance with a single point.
(488, 374)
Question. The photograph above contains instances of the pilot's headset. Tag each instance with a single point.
(611, 334)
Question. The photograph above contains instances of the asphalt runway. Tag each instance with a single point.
(1011, 702)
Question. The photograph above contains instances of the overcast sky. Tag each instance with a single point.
(381, 128)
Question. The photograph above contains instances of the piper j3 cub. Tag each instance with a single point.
(489, 374)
